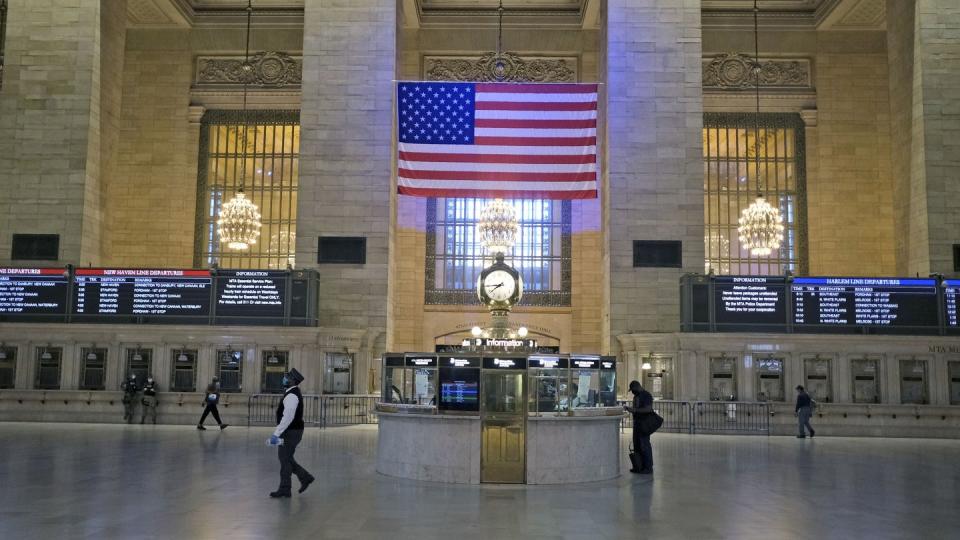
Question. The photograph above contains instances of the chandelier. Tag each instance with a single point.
(497, 226)
(238, 224)
(760, 225)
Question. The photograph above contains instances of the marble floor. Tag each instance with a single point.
(113, 481)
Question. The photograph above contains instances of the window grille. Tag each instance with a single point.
(274, 366)
(267, 148)
(454, 257)
(184, 377)
(230, 370)
(48, 368)
(93, 362)
(730, 185)
(139, 363)
(8, 367)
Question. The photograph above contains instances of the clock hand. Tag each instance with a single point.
(495, 287)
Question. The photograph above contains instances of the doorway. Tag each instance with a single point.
(503, 416)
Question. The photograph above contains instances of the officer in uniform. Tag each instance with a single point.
(288, 434)
(149, 401)
(130, 390)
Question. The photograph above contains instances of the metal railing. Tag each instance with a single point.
(710, 417)
(319, 410)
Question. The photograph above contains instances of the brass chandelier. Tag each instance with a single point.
(238, 224)
(760, 225)
(497, 226)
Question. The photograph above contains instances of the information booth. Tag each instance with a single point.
(500, 417)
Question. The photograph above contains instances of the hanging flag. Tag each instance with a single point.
(489, 140)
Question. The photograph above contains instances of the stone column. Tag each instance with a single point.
(53, 116)
(924, 57)
(654, 188)
(349, 59)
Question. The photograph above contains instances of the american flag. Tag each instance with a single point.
(493, 140)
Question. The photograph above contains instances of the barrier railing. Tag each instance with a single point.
(262, 409)
(731, 417)
(710, 417)
(342, 410)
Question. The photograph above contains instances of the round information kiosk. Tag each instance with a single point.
(499, 417)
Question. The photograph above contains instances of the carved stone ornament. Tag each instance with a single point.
(270, 69)
(514, 68)
(735, 71)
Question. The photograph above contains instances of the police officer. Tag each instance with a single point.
(149, 401)
(288, 434)
(130, 389)
(211, 399)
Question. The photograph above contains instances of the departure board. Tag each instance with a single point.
(951, 299)
(852, 303)
(33, 291)
(745, 303)
(257, 294)
(110, 294)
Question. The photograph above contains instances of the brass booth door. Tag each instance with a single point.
(503, 418)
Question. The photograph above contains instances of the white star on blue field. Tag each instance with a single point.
(436, 113)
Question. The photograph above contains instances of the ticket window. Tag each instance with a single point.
(420, 386)
(723, 379)
(392, 380)
(770, 385)
(139, 363)
(865, 374)
(913, 382)
(8, 367)
(184, 375)
(658, 380)
(549, 384)
(230, 370)
(954, 372)
(49, 363)
(275, 365)
(338, 373)
(93, 368)
(816, 375)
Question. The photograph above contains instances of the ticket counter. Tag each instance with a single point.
(499, 418)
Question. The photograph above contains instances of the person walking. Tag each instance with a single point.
(288, 434)
(641, 408)
(130, 389)
(149, 401)
(211, 399)
(803, 410)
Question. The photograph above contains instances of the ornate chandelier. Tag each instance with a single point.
(497, 226)
(760, 225)
(238, 224)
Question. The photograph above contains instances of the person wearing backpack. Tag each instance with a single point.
(643, 415)
(804, 410)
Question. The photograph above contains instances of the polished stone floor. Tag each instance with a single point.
(133, 482)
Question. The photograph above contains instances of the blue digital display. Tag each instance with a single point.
(459, 389)
(864, 302)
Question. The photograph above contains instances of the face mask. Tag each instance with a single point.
(286, 381)
(150, 380)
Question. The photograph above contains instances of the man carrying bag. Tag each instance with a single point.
(645, 423)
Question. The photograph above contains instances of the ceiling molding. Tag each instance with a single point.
(154, 14)
(855, 15)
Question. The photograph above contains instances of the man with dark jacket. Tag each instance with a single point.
(288, 434)
(149, 401)
(642, 406)
(210, 399)
(803, 410)
(130, 389)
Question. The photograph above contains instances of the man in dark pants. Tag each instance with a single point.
(211, 399)
(642, 405)
(803, 410)
(288, 434)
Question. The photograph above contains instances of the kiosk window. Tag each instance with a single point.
(770, 379)
(93, 362)
(230, 370)
(954, 372)
(139, 363)
(865, 374)
(184, 364)
(392, 391)
(338, 374)
(420, 386)
(913, 382)
(8, 367)
(48, 368)
(658, 380)
(274, 366)
(817, 379)
(723, 379)
(584, 388)
(549, 389)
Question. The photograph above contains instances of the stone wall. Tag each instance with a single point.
(654, 157)
(50, 126)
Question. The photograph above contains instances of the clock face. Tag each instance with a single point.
(499, 285)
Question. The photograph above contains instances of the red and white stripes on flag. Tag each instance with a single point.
(497, 140)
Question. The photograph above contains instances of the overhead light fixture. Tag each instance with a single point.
(476, 331)
(239, 222)
(646, 365)
(522, 331)
(760, 226)
(497, 226)
(182, 357)
(46, 355)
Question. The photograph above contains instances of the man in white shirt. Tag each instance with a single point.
(288, 434)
